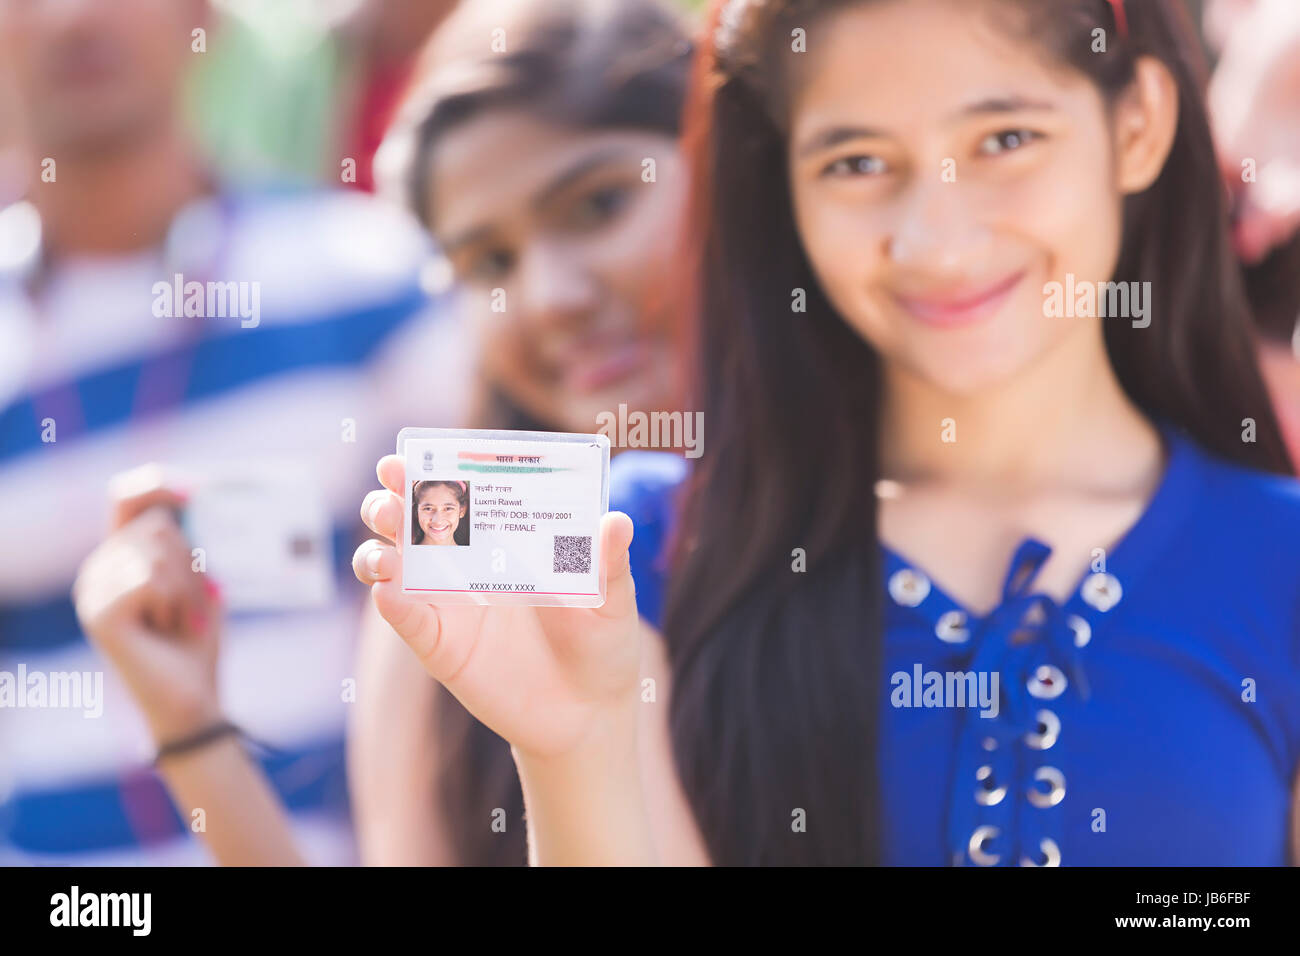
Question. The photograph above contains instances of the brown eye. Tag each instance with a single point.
(863, 165)
(1007, 141)
(491, 266)
(597, 208)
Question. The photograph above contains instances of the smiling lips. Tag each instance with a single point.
(961, 306)
(600, 365)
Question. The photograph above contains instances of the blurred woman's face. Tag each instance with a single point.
(937, 194)
(561, 248)
(440, 515)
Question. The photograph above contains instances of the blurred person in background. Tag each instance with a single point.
(1255, 107)
(305, 92)
(96, 378)
(529, 168)
(386, 36)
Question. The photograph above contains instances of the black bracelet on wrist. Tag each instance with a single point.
(197, 740)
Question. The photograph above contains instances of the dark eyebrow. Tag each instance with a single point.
(576, 172)
(1002, 104)
(464, 239)
(835, 135)
(560, 182)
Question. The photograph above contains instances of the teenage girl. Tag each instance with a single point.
(913, 467)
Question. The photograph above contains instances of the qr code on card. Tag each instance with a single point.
(572, 554)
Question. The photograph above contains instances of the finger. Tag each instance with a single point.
(171, 589)
(97, 588)
(134, 492)
(382, 512)
(620, 591)
(155, 532)
(420, 625)
(416, 622)
(155, 588)
(163, 612)
(375, 561)
(203, 616)
(392, 474)
(177, 592)
(201, 606)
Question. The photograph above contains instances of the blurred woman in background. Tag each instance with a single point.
(550, 176)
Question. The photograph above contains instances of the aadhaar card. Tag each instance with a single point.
(504, 517)
(262, 530)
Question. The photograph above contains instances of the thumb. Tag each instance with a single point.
(615, 540)
(413, 618)
(134, 492)
(442, 638)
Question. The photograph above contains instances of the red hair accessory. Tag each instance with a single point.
(1121, 18)
(462, 485)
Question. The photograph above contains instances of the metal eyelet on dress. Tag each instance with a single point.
(1056, 784)
(1047, 682)
(1102, 591)
(952, 629)
(979, 840)
(1051, 854)
(1082, 630)
(1049, 728)
(988, 794)
(909, 587)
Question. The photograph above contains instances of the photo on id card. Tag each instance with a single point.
(504, 517)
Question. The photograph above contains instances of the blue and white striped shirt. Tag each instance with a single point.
(346, 334)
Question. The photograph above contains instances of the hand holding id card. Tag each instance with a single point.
(511, 518)
(504, 517)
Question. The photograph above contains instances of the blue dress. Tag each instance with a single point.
(1151, 719)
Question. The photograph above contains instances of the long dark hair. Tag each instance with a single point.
(1274, 289)
(776, 676)
(581, 64)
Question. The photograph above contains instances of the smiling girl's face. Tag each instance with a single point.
(440, 514)
(562, 259)
(942, 172)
